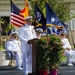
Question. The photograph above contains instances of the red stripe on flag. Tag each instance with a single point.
(15, 24)
(17, 16)
(17, 20)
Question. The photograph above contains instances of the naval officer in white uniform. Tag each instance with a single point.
(68, 52)
(27, 33)
(13, 46)
(39, 32)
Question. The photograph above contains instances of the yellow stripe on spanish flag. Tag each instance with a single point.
(25, 11)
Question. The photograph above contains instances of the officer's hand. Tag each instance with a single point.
(68, 49)
(15, 52)
(32, 40)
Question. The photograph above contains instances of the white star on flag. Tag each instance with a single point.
(52, 19)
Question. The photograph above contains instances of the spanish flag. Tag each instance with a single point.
(25, 11)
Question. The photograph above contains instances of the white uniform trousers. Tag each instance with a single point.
(70, 55)
(18, 59)
(27, 60)
(25, 63)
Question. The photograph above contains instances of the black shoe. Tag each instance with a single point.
(29, 73)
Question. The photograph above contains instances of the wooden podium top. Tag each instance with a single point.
(32, 41)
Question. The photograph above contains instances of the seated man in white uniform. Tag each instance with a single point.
(13, 46)
(68, 52)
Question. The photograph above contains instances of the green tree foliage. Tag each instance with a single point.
(8, 28)
(2, 21)
(60, 9)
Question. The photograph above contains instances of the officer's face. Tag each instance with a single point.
(63, 35)
(38, 33)
(14, 37)
(29, 22)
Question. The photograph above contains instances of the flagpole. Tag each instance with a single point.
(35, 3)
(10, 13)
(34, 13)
(46, 24)
(25, 2)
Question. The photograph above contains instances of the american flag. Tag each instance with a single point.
(17, 18)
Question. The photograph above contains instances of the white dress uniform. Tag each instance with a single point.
(39, 32)
(69, 54)
(26, 33)
(12, 45)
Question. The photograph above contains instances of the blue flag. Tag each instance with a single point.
(48, 30)
(14, 8)
(55, 30)
(40, 19)
(51, 17)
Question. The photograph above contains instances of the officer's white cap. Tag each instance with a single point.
(39, 30)
(14, 33)
(29, 18)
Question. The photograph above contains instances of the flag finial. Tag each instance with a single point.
(12, 0)
(35, 0)
(46, 0)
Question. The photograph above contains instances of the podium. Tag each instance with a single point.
(33, 54)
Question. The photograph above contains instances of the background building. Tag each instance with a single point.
(5, 13)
